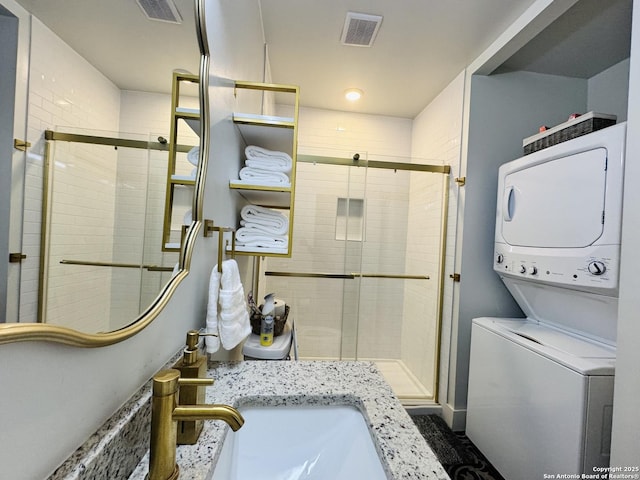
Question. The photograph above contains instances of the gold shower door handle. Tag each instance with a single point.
(386, 275)
(346, 276)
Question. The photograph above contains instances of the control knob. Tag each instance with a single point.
(499, 258)
(532, 270)
(597, 268)
(523, 269)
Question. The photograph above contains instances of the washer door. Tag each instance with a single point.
(559, 203)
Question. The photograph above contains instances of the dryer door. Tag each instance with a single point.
(558, 203)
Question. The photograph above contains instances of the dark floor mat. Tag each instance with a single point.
(444, 443)
(457, 454)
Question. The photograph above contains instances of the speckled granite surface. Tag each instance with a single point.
(404, 452)
(120, 446)
(115, 450)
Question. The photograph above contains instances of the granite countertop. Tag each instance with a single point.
(404, 452)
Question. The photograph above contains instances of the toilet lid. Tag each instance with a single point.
(279, 349)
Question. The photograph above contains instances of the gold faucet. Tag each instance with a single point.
(165, 414)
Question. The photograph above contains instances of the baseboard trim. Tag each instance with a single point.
(424, 409)
(456, 419)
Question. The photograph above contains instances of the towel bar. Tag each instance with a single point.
(209, 228)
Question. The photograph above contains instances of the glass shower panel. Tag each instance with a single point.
(80, 221)
(399, 289)
(100, 272)
(355, 238)
(159, 265)
(365, 275)
(384, 253)
(323, 222)
(130, 205)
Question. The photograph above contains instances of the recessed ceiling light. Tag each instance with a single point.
(353, 94)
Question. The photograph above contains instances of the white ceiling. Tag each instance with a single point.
(421, 46)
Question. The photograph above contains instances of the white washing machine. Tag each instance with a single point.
(541, 388)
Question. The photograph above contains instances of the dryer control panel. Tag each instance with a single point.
(596, 272)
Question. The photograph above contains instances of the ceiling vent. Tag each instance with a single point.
(360, 29)
(161, 10)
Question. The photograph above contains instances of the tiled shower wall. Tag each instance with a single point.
(325, 329)
(63, 90)
(138, 238)
(408, 331)
(437, 134)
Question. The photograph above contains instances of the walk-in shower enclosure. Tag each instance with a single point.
(365, 278)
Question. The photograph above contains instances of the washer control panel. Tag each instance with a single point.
(597, 271)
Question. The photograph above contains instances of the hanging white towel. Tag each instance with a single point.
(213, 343)
(233, 319)
(258, 157)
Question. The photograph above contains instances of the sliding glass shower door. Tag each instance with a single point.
(101, 262)
(364, 279)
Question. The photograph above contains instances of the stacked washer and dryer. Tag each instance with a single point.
(541, 388)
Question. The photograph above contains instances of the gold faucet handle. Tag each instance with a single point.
(166, 382)
(195, 382)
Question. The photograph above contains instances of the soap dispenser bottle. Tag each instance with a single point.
(191, 365)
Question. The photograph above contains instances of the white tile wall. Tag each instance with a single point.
(63, 90)
(138, 238)
(82, 218)
(437, 134)
(402, 235)
(398, 320)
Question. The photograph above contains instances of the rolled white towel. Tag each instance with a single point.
(193, 156)
(264, 177)
(274, 220)
(258, 157)
(264, 229)
(252, 238)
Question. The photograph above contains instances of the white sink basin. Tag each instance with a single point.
(295, 443)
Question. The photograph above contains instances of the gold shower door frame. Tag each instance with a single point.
(348, 351)
(51, 137)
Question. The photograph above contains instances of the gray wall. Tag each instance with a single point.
(8, 55)
(503, 110)
(608, 91)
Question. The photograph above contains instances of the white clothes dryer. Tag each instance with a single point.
(541, 388)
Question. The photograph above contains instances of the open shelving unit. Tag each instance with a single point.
(276, 134)
(180, 185)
